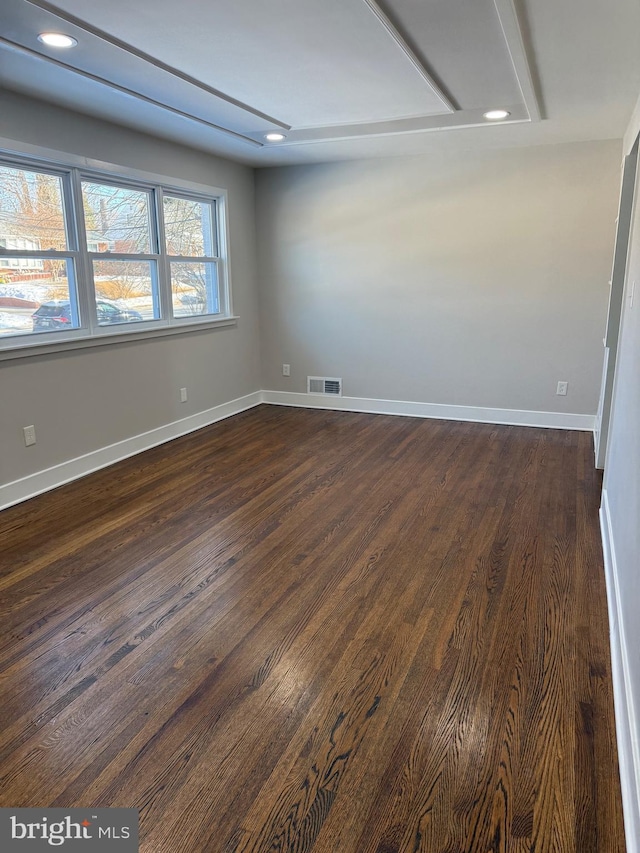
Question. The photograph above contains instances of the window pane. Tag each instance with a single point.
(188, 226)
(36, 295)
(194, 289)
(126, 291)
(116, 219)
(31, 211)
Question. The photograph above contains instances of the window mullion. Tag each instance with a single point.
(84, 273)
(121, 256)
(194, 259)
(58, 254)
(164, 273)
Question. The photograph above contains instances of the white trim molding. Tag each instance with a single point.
(520, 59)
(43, 481)
(73, 469)
(514, 417)
(409, 52)
(626, 720)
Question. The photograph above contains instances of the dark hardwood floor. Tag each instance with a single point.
(300, 630)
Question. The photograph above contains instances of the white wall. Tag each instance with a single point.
(621, 526)
(476, 279)
(86, 399)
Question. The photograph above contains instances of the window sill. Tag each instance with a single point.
(46, 347)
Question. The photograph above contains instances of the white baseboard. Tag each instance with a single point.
(42, 481)
(73, 469)
(515, 417)
(626, 721)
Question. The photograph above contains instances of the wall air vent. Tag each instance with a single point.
(324, 385)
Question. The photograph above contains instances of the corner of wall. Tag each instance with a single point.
(633, 128)
(43, 481)
(625, 712)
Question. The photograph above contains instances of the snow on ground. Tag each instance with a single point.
(15, 322)
(25, 290)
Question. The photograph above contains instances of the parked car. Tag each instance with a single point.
(109, 312)
(56, 314)
(193, 299)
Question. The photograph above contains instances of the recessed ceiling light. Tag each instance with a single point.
(57, 40)
(274, 137)
(496, 115)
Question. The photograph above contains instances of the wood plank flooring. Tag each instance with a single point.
(301, 631)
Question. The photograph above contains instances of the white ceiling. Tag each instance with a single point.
(340, 78)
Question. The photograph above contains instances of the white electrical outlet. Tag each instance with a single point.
(29, 435)
(183, 395)
(286, 370)
(562, 389)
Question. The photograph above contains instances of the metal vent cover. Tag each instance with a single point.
(324, 385)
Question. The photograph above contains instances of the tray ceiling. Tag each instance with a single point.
(221, 74)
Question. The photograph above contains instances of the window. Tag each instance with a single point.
(86, 255)
(37, 253)
(120, 244)
(192, 249)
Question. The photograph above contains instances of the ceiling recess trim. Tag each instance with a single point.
(408, 51)
(18, 48)
(145, 57)
(460, 120)
(512, 32)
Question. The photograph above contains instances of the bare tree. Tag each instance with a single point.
(32, 218)
(189, 233)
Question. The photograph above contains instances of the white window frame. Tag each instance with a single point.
(156, 238)
(73, 170)
(224, 295)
